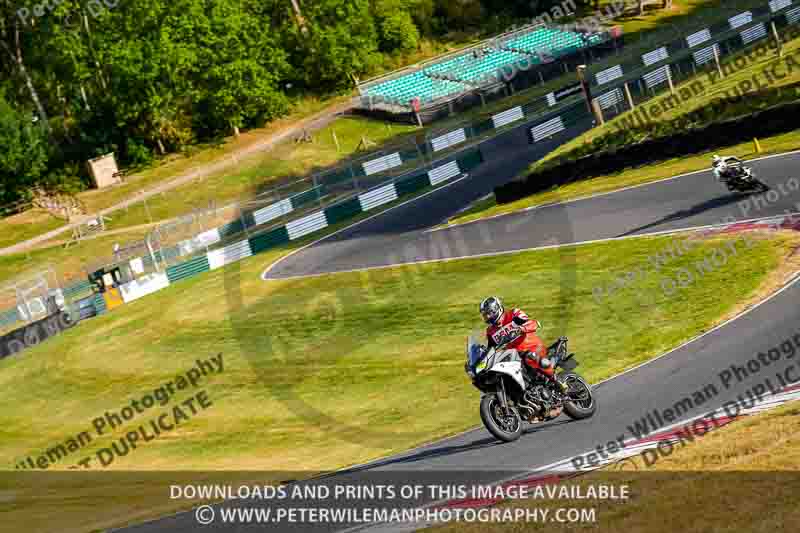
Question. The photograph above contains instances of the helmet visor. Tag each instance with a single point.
(490, 316)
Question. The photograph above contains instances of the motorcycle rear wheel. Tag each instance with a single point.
(507, 430)
(578, 410)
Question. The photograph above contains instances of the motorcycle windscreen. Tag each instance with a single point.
(476, 348)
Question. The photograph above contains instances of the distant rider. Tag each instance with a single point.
(722, 167)
(528, 344)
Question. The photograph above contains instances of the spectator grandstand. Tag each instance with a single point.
(445, 79)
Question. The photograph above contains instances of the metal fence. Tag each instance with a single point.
(29, 297)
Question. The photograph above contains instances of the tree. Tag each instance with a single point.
(396, 28)
(242, 67)
(23, 157)
(342, 43)
(11, 42)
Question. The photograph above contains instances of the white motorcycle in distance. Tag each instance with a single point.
(513, 392)
(736, 176)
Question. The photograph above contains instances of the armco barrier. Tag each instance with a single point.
(444, 173)
(271, 212)
(448, 139)
(229, 254)
(306, 225)
(412, 184)
(268, 240)
(306, 197)
(343, 211)
(382, 164)
(377, 197)
(231, 228)
(188, 268)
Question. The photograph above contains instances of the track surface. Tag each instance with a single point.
(399, 236)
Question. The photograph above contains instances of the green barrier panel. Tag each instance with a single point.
(171, 253)
(408, 155)
(306, 197)
(231, 228)
(482, 127)
(470, 161)
(269, 240)
(249, 220)
(412, 184)
(337, 177)
(8, 317)
(77, 288)
(100, 304)
(147, 260)
(188, 268)
(343, 211)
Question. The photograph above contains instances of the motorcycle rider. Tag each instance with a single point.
(528, 344)
(721, 166)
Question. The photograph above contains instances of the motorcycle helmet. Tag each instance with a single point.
(491, 310)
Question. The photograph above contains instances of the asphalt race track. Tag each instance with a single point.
(400, 236)
(403, 234)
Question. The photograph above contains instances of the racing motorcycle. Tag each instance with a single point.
(742, 179)
(513, 392)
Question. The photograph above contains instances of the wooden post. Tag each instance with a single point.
(716, 60)
(628, 96)
(598, 113)
(587, 95)
(669, 80)
(777, 38)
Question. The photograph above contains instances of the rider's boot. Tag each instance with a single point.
(560, 385)
(546, 365)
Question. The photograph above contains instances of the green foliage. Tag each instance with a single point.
(144, 78)
(396, 28)
(23, 152)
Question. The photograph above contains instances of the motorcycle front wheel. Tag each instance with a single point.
(506, 426)
(581, 402)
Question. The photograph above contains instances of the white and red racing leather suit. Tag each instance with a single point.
(528, 342)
